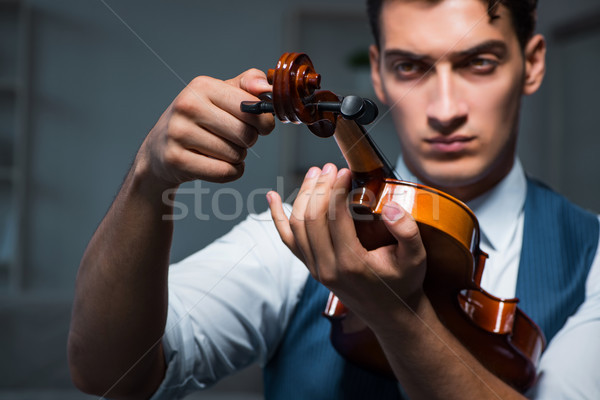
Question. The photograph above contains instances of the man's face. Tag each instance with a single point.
(453, 80)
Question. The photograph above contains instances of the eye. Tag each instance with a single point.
(482, 65)
(408, 69)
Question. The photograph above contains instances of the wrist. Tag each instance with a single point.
(148, 192)
(412, 314)
(145, 178)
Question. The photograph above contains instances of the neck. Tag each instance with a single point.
(482, 185)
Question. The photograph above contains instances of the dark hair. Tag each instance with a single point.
(523, 16)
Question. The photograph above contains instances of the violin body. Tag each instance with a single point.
(494, 330)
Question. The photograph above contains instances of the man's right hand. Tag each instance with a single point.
(115, 337)
(203, 134)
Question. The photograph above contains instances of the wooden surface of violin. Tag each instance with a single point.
(494, 330)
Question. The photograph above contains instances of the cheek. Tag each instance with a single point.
(407, 128)
(496, 113)
(407, 112)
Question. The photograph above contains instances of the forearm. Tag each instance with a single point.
(120, 306)
(120, 303)
(430, 362)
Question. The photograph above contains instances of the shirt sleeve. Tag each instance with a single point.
(229, 305)
(570, 367)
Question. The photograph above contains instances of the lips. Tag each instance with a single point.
(449, 144)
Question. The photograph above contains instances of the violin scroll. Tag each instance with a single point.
(295, 98)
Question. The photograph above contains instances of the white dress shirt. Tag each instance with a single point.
(229, 304)
(500, 213)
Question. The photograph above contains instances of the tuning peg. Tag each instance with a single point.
(259, 107)
(363, 111)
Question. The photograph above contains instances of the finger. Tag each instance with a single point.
(228, 127)
(341, 225)
(317, 227)
(297, 222)
(282, 224)
(254, 82)
(188, 135)
(303, 196)
(190, 166)
(404, 228)
(194, 105)
(204, 97)
(340, 221)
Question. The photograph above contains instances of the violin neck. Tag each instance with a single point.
(361, 153)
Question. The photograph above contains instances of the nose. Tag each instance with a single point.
(447, 110)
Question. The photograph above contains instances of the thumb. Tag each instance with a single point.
(253, 81)
(405, 229)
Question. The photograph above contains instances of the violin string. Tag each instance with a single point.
(437, 336)
(381, 155)
(385, 160)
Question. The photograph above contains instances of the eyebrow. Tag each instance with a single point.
(489, 46)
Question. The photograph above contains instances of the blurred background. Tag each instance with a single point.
(82, 82)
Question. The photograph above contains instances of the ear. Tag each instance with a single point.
(535, 64)
(375, 73)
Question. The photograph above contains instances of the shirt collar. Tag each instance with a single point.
(497, 210)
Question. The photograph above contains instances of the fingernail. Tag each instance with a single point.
(392, 212)
(269, 198)
(313, 172)
(263, 83)
(327, 169)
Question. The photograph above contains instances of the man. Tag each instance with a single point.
(453, 73)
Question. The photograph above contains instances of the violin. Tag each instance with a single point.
(502, 338)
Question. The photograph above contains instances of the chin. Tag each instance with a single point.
(447, 177)
(446, 182)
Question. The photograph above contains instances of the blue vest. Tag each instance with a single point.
(559, 245)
